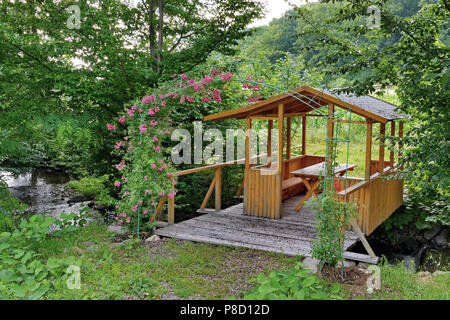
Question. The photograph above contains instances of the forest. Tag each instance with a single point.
(77, 77)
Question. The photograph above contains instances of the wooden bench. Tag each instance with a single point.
(291, 182)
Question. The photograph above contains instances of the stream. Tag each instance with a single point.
(43, 190)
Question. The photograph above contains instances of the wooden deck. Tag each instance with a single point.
(291, 235)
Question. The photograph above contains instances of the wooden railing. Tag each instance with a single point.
(216, 185)
(377, 198)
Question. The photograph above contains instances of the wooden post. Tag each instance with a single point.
(400, 135)
(171, 201)
(368, 149)
(381, 152)
(218, 189)
(288, 138)
(269, 142)
(247, 163)
(280, 161)
(304, 135)
(391, 156)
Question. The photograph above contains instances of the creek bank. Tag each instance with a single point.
(44, 191)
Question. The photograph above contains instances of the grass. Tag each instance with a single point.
(173, 269)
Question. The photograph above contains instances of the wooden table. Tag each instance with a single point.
(310, 176)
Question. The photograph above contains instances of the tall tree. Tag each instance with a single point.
(417, 65)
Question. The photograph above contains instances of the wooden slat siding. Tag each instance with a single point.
(247, 165)
(304, 135)
(218, 189)
(391, 156)
(209, 193)
(381, 152)
(368, 150)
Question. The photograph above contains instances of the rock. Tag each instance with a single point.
(153, 238)
(100, 207)
(362, 265)
(439, 273)
(442, 238)
(91, 248)
(78, 198)
(347, 263)
(115, 245)
(117, 229)
(311, 263)
(91, 204)
(78, 250)
(423, 273)
(431, 233)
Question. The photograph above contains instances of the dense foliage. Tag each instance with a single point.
(417, 65)
(61, 81)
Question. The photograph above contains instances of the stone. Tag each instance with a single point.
(311, 263)
(78, 250)
(153, 238)
(117, 229)
(78, 198)
(362, 265)
(115, 245)
(423, 273)
(439, 273)
(91, 248)
(431, 233)
(347, 264)
(442, 238)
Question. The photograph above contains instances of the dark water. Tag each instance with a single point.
(426, 258)
(44, 191)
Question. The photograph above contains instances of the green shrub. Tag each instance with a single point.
(295, 284)
(23, 274)
(93, 187)
(8, 207)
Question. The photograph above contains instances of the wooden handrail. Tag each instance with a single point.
(363, 183)
(224, 164)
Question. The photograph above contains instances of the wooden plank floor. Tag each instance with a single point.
(291, 235)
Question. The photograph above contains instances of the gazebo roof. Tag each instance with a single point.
(305, 99)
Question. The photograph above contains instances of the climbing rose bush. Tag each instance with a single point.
(146, 172)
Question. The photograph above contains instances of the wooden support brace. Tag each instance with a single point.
(208, 194)
(363, 239)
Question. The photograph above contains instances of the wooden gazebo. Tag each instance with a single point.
(274, 192)
(266, 186)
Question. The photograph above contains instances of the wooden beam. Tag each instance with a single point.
(278, 195)
(208, 194)
(400, 135)
(247, 163)
(361, 237)
(381, 152)
(269, 142)
(368, 150)
(304, 135)
(288, 138)
(218, 189)
(263, 117)
(348, 121)
(171, 218)
(391, 155)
